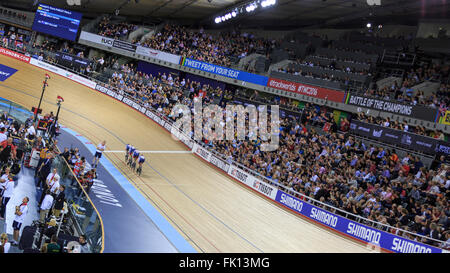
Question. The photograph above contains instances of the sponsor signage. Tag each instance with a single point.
(359, 231)
(63, 73)
(219, 163)
(413, 111)
(15, 55)
(97, 39)
(202, 152)
(252, 182)
(307, 90)
(225, 71)
(264, 188)
(70, 60)
(407, 140)
(163, 56)
(109, 92)
(124, 45)
(6, 72)
(239, 175)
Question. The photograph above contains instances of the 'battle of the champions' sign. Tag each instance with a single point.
(413, 111)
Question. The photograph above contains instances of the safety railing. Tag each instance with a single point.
(348, 215)
(83, 216)
(15, 110)
(351, 216)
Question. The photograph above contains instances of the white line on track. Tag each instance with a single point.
(155, 152)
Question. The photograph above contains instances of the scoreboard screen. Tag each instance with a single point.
(57, 22)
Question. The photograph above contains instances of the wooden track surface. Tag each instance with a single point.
(213, 212)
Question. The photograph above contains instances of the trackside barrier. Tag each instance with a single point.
(342, 225)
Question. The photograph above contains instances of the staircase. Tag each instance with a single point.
(276, 66)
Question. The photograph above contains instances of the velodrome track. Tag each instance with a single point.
(211, 211)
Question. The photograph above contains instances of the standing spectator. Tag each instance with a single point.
(53, 246)
(59, 201)
(8, 151)
(46, 206)
(7, 194)
(3, 135)
(83, 244)
(38, 145)
(44, 170)
(21, 213)
(50, 181)
(101, 62)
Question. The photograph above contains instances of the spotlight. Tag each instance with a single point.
(218, 20)
(369, 25)
(233, 14)
(267, 3)
(223, 18)
(250, 8)
(380, 26)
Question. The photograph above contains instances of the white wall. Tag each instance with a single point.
(431, 28)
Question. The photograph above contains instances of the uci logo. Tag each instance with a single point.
(374, 2)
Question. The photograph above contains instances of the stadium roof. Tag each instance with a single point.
(286, 13)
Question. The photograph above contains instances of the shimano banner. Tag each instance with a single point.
(359, 231)
(399, 138)
(413, 111)
(226, 72)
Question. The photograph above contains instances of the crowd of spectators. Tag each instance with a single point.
(373, 182)
(222, 49)
(119, 31)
